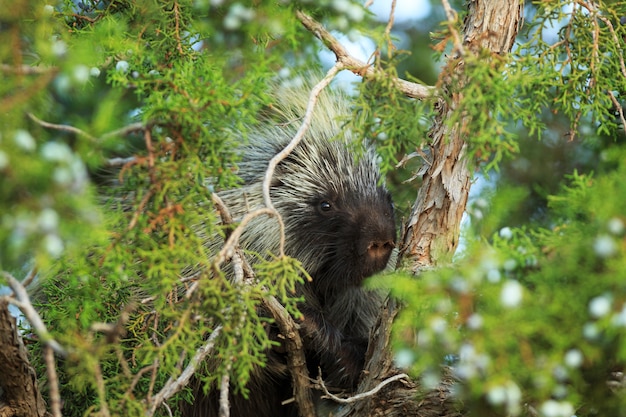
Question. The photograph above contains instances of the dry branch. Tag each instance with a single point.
(131, 128)
(357, 66)
(296, 360)
(22, 301)
(173, 385)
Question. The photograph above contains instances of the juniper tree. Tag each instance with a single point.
(116, 115)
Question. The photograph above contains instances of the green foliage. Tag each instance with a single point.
(530, 318)
(573, 76)
(534, 317)
(112, 203)
(149, 102)
(577, 73)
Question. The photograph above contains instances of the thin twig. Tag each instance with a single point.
(172, 386)
(136, 379)
(224, 410)
(296, 361)
(390, 46)
(133, 127)
(306, 122)
(452, 18)
(27, 69)
(155, 365)
(118, 162)
(126, 130)
(233, 239)
(168, 409)
(101, 388)
(227, 219)
(357, 66)
(22, 301)
(137, 213)
(62, 128)
(361, 396)
(30, 277)
(620, 111)
(269, 172)
(179, 44)
(53, 381)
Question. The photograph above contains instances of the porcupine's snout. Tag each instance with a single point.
(377, 238)
(378, 252)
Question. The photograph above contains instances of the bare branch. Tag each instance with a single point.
(233, 239)
(53, 381)
(306, 122)
(30, 277)
(390, 46)
(62, 128)
(362, 395)
(22, 301)
(295, 358)
(172, 386)
(101, 389)
(452, 16)
(27, 69)
(224, 389)
(228, 219)
(357, 66)
(115, 162)
(133, 127)
(288, 328)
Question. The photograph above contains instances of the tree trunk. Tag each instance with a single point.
(19, 393)
(434, 226)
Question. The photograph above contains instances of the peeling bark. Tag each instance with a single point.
(434, 225)
(20, 395)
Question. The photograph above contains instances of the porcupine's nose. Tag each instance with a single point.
(378, 252)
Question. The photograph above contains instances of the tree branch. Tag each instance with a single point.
(53, 381)
(296, 360)
(62, 128)
(22, 301)
(133, 127)
(362, 395)
(306, 122)
(172, 386)
(295, 356)
(224, 410)
(357, 66)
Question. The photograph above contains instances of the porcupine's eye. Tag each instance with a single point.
(326, 206)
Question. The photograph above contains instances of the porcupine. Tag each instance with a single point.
(339, 223)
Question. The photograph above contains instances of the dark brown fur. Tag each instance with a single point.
(340, 224)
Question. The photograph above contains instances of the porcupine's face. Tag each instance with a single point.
(341, 224)
(356, 234)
